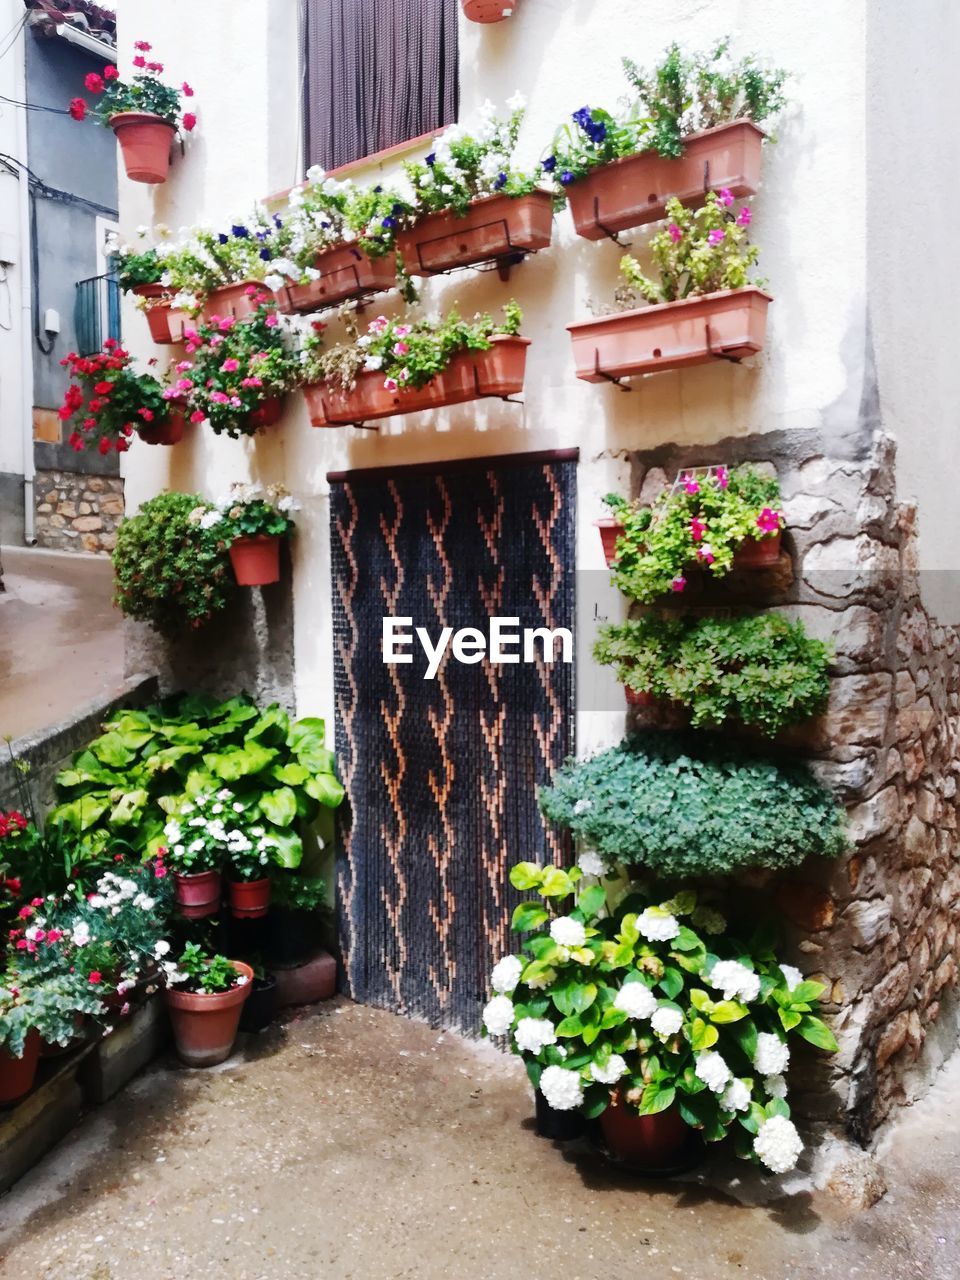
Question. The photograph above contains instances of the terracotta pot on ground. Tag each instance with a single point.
(610, 530)
(268, 413)
(559, 1126)
(197, 895)
(493, 227)
(158, 314)
(169, 432)
(233, 300)
(757, 553)
(261, 1006)
(469, 376)
(655, 1144)
(17, 1074)
(633, 191)
(488, 10)
(730, 324)
(145, 141)
(345, 272)
(205, 1026)
(256, 560)
(249, 899)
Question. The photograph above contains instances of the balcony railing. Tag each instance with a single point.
(96, 313)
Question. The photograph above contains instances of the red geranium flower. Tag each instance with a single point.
(78, 108)
(143, 46)
(103, 388)
(111, 73)
(189, 122)
(94, 83)
(140, 61)
(96, 977)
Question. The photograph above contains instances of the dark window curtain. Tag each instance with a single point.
(376, 72)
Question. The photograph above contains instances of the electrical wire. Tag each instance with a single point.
(13, 35)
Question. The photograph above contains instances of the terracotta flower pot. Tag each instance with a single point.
(610, 530)
(249, 899)
(656, 1143)
(757, 553)
(198, 895)
(145, 141)
(559, 1126)
(233, 300)
(469, 376)
(632, 191)
(730, 324)
(268, 413)
(645, 699)
(493, 227)
(345, 272)
(205, 1026)
(157, 312)
(169, 432)
(488, 10)
(256, 560)
(17, 1074)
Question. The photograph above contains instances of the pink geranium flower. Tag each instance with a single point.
(230, 365)
(674, 232)
(678, 583)
(768, 521)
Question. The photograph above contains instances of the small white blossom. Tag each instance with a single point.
(772, 1056)
(611, 1073)
(667, 1022)
(778, 1144)
(735, 1097)
(498, 1015)
(568, 932)
(657, 925)
(712, 1070)
(791, 975)
(517, 103)
(582, 806)
(161, 948)
(534, 1034)
(776, 1086)
(636, 1000)
(210, 518)
(562, 1089)
(734, 980)
(506, 974)
(590, 863)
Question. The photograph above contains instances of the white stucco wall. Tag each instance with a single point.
(11, 320)
(809, 219)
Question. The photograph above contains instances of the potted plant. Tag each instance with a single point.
(707, 520)
(196, 835)
(488, 10)
(473, 204)
(37, 1008)
(406, 366)
(205, 995)
(704, 307)
(763, 670)
(295, 919)
(107, 401)
(654, 1016)
(692, 123)
(251, 852)
(254, 521)
(140, 271)
(144, 113)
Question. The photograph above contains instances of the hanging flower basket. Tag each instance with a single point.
(728, 325)
(488, 10)
(197, 895)
(658, 1143)
(471, 375)
(633, 191)
(205, 1024)
(145, 141)
(345, 272)
(610, 530)
(236, 300)
(256, 563)
(17, 1074)
(169, 432)
(757, 553)
(495, 227)
(267, 414)
(157, 312)
(249, 899)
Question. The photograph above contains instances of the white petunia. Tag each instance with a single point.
(712, 1070)
(636, 1000)
(591, 864)
(161, 948)
(778, 1144)
(611, 1073)
(776, 1086)
(562, 1089)
(667, 1022)
(534, 1034)
(506, 974)
(735, 1097)
(567, 932)
(517, 102)
(772, 1056)
(210, 518)
(498, 1015)
(791, 975)
(657, 925)
(734, 980)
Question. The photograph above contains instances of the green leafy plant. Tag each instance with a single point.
(198, 971)
(206, 259)
(700, 521)
(682, 804)
(143, 92)
(207, 829)
(138, 267)
(250, 511)
(170, 564)
(292, 892)
(49, 1005)
(763, 670)
(656, 1003)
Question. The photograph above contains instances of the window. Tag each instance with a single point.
(376, 73)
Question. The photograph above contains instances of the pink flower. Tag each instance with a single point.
(186, 90)
(184, 384)
(705, 553)
(219, 397)
(184, 365)
(674, 232)
(96, 977)
(378, 325)
(189, 121)
(726, 196)
(252, 382)
(197, 416)
(678, 583)
(768, 521)
(271, 321)
(690, 483)
(717, 235)
(402, 330)
(744, 217)
(143, 46)
(390, 384)
(230, 365)
(156, 67)
(697, 529)
(139, 60)
(94, 83)
(226, 324)
(400, 348)
(216, 340)
(191, 335)
(111, 73)
(124, 1009)
(722, 477)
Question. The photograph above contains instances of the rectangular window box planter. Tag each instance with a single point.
(471, 375)
(233, 300)
(728, 325)
(632, 191)
(345, 272)
(495, 228)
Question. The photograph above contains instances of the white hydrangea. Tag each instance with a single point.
(776, 1086)
(590, 863)
(567, 932)
(562, 1089)
(772, 1056)
(506, 974)
(778, 1144)
(734, 980)
(636, 1000)
(657, 925)
(712, 1070)
(534, 1034)
(498, 1015)
(611, 1073)
(791, 976)
(667, 1022)
(735, 1097)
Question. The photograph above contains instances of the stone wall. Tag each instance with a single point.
(77, 512)
(879, 927)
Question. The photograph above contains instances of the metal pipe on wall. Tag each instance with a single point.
(26, 301)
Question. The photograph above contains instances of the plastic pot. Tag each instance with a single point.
(205, 1026)
(18, 1074)
(249, 899)
(261, 1007)
(157, 312)
(610, 530)
(267, 413)
(169, 432)
(494, 227)
(656, 1144)
(197, 895)
(256, 560)
(559, 1126)
(292, 937)
(345, 272)
(757, 553)
(145, 141)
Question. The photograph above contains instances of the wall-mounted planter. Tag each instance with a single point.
(169, 432)
(256, 563)
(345, 272)
(610, 530)
(145, 141)
(157, 312)
(728, 325)
(632, 191)
(757, 553)
(233, 300)
(488, 10)
(470, 375)
(267, 414)
(495, 228)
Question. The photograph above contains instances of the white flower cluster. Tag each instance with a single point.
(736, 1096)
(562, 1089)
(636, 1000)
(734, 980)
(534, 1034)
(792, 976)
(114, 891)
(778, 1144)
(590, 863)
(657, 925)
(772, 1056)
(615, 1068)
(666, 1022)
(506, 975)
(712, 1070)
(567, 932)
(498, 1015)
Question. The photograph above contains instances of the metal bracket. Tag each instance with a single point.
(706, 176)
(501, 263)
(611, 235)
(483, 395)
(718, 355)
(607, 377)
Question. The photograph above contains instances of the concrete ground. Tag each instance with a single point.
(351, 1144)
(61, 643)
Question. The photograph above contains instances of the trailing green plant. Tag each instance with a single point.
(407, 353)
(206, 260)
(199, 971)
(656, 1002)
(293, 892)
(682, 804)
(170, 564)
(251, 511)
(49, 1005)
(700, 521)
(763, 670)
(127, 783)
(143, 92)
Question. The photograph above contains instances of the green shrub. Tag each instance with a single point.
(763, 670)
(683, 805)
(169, 568)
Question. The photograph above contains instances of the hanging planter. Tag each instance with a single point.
(758, 553)
(233, 301)
(471, 375)
(169, 432)
(633, 191)
(256, 560)
(610, 530)
(488, 10)
(658, 1143)
(728, 325)
(267, 414)
(345, 272)
(205, 1024)
(198, 894)
(17, 1074)
(249, 899)
(158, 313)
(145, 143)
(495, 228)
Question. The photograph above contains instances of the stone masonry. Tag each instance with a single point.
(77, 512)
(880, 926)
